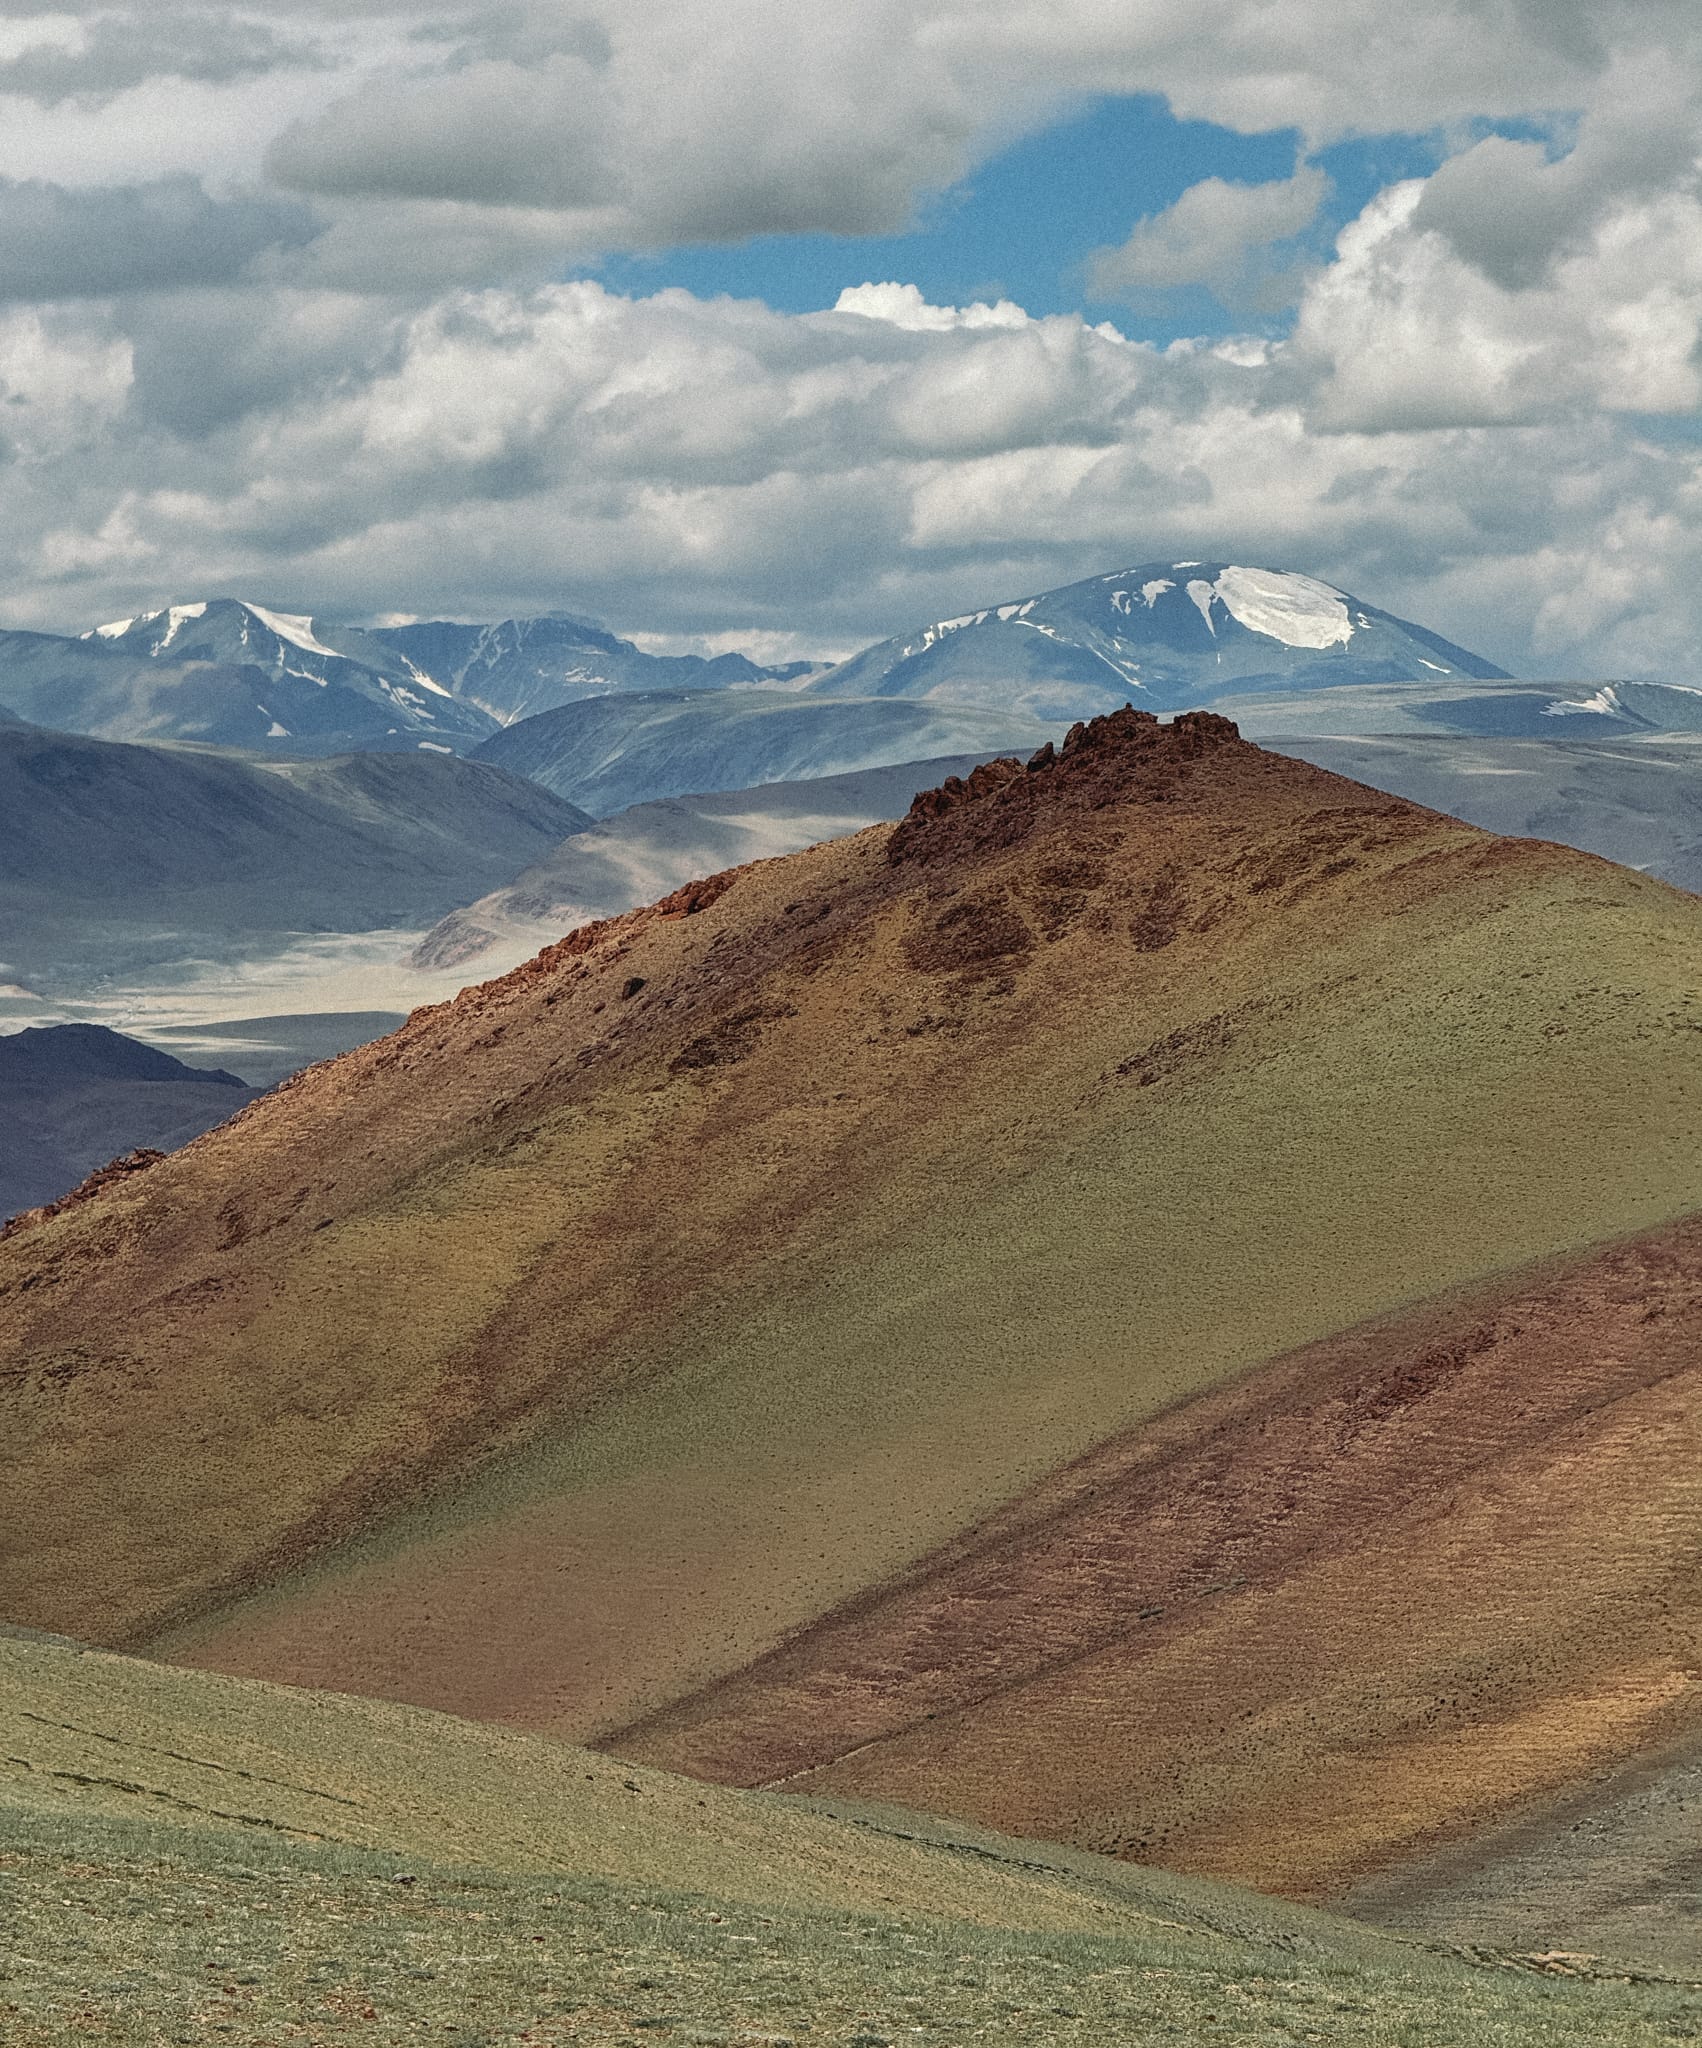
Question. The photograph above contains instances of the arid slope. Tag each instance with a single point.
(1390, 1592)
(558, 1356)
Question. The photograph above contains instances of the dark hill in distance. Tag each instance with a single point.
(73, 1096)
(740, 1262)
(1164, 635)
(117, 856)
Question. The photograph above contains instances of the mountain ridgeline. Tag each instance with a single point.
(1164, 635)
(233, 673)
(229, 673)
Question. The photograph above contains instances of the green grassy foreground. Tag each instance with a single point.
(187, 1858)
(133, 1935)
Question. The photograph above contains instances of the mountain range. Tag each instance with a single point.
(1116, 1307)
(230, 673)
(236, 673)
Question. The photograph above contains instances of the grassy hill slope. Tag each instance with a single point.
(558, 1356)
(183, 1854)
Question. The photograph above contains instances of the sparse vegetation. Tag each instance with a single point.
(189, 1858)
(153, 1937)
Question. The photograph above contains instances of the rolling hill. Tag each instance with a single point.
(649, 850)
(1305, 1628)
(183, 1855)
(1165, 634)
(608, 753)
(801, 1250)
(119, 856)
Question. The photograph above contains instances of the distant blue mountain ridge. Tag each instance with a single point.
(1165, 635)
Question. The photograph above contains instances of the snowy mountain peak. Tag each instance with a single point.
(1166, 633)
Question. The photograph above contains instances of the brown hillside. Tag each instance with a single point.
(564, 1353)
(1394, 1588)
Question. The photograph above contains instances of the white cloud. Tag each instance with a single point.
(904, 306)
(349, 420)
(1403, 332)
(115, 51)
(686, 466)
(57, 244)
(1213, 235)
(721, 119)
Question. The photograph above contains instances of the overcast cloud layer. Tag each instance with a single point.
(276, 316)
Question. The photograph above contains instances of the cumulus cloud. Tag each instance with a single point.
(118, 51)
(494, 134)
(360, 389)
(57, 244)
(1214, 235)
(1401, 332)
(611, 127)
(686, 466)
(703, 120)
(1513, 208)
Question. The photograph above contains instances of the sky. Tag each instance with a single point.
(753, 323)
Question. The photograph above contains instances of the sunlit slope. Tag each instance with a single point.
(1402, 1586)
(558, 1355)
(94, 1735)
(184, 1855)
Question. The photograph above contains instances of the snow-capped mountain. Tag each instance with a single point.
(291, 649)
(1164, 635)
(524, 666)
(230, 672)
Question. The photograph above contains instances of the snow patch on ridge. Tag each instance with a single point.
(1605, 703)
(296, 630)
(1297, 610)
(1202, 593)
(176, 619)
